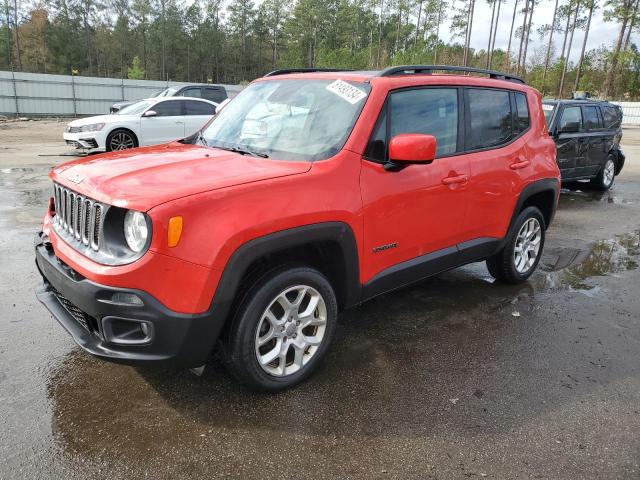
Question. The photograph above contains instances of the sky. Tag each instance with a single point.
(601, 32)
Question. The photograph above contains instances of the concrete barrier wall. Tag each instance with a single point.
(36, 94)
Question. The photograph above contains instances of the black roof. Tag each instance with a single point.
(589, 101)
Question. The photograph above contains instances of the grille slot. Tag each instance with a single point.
(80, 316)
(78, 218)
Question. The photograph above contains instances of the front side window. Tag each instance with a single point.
(191, 92)
(289, 119)
(522, 117)
(171, 108)
(570, 117)
(214, 94)
(377, 147)
(490, 118)
(591, 118)
(430, 111)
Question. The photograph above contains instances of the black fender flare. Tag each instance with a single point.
(535, 187)
(251, 251)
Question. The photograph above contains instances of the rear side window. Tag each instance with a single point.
(612, 117)
(522, 117)
(591, 118)
(170, 108)
(217, 95)
(571, 115)
(490, 119)
(431, 111)
(199, 108)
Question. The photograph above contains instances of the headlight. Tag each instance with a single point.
(94, 127)
(136, 231)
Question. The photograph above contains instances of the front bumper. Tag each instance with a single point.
(84, 308)
(88, 140)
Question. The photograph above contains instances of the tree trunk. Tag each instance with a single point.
(608, 82)
(8, 40)
(435, 50)
(495, 32)
(526, 41)
(548, 55)
(379, 34)
(522, 33)
(415, 40)
(566, 62)
(493, 16)
(584, 45)
(631, 26)
(15, 24)
(468, 33)
(507, 60)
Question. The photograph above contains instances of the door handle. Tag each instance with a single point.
(455, 179)
(519, 164)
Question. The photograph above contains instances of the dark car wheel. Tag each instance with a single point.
(519, 257)
(121, 140)
(282, 329)
(607, 175)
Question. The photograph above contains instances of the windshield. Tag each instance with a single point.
(168, 92)
(289, 119)
(548, 109)
(134, 108)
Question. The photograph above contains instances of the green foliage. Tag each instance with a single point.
(135, 72)
(237, 40)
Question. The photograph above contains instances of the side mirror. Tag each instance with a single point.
(570, 127)
(150, 113)
(407, 148)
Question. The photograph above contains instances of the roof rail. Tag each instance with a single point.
(286, 71)
(429, 69)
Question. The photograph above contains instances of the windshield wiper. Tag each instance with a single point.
(201, 139)
(243, 151)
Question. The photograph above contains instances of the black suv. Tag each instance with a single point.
(587, 135)
(214, 93)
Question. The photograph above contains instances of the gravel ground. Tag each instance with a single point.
(455, 377)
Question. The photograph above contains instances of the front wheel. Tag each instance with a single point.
(282, 329)
(121, 140)
(605, 178)
(520, 256)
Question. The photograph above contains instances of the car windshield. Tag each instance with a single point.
(548, 109)
(168, 92)
(289, 119)
(134, 108)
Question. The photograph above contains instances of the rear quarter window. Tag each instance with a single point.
(612, 117)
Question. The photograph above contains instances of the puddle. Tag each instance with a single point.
(569, 195)
(573, 267)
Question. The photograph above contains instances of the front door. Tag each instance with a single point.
(571, 145)
(597, 142)
(166, 125)
(420, 209)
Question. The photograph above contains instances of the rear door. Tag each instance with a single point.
(597, 139)
(166, 125)
(420, 209)
(215, 94)
(571, 146)
(197, 114)
(497, 130)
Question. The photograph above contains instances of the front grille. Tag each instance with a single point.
(78, 218)
(81, 317)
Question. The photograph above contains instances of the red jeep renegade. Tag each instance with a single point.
(309, 193)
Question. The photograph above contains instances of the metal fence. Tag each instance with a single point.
(37, 94)
(630, 113)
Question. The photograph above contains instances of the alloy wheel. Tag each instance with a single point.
(121, 141)
(527, 246)
(609, 172)
(291, 330)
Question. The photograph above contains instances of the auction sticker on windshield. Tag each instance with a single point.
(346, 91)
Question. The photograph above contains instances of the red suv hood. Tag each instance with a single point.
(143, 178)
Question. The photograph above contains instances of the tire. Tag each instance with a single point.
(504, 265)
(121, 139)
(263, 328)
(606, 176)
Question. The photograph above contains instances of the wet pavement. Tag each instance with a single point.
(455, 377)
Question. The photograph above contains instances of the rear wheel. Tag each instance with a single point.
(121, 140)
(606, 176)
(519, 258)
(282, 330)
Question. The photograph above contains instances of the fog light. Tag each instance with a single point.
(124, 298)
(145, 329)
(127, 331)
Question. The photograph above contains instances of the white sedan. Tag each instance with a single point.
(147, 122)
